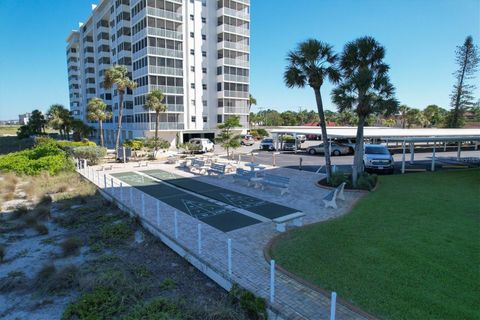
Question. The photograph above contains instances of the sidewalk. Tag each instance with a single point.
(247, 266)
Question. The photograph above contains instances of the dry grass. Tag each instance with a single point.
(8, 183)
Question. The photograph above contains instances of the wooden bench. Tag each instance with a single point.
(243, 175)
(218, 169)
(330, 199)
(276, 182)
(197, 166)
(281, 222)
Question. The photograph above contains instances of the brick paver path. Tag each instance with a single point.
(292, 300)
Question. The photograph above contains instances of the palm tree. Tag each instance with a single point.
(403, 109)
(97, 111)
(365, 88)
(251, 100)
(118, 76)
(154, 103)
(310, 64)
(59, 118)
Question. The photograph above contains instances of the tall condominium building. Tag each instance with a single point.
(195, 51)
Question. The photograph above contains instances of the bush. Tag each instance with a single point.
(43, 157)
(287, 138)
(99, 304)
(135, 144)
(91, 153)
(337, 178)
(71, 246)
(159, 308)
(367, 181)
(255, 307)
(161, 143)
(114, 233)
(2, 253)
(259, 133)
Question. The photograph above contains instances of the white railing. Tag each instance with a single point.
(139, 35)
(165, 70)
(165, 52)
(247, 2)
(234, 62)
(167, 89)
(164, 14)
(139, 54)
(233, 46)
(161, 126)
(236, 110)
(235, 94)
(234, 13)
(233, 29)
(235, 78)
(164, 33)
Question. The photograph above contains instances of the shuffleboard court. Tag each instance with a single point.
(258, 206)
(211, 213)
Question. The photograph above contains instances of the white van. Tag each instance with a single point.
(205, 145)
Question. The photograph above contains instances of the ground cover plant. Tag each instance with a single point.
(409, 250)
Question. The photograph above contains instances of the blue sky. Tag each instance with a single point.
(420, 37)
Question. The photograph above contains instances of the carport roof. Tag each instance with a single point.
(392, 134)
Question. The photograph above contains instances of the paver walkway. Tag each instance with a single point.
(248, 267)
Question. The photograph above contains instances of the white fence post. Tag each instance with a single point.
(111, 186)
(143, 204)
(105, 181)
(333, 305)
(175, 225)
(199, 229)
(229, 256)
(272, 281)
(158, 213)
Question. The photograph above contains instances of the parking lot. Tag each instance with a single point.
(343, 163)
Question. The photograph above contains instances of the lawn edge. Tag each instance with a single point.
(267, 249)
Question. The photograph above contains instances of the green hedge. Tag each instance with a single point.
(91, 153)
(43, 157)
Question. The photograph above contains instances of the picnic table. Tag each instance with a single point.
(255, 167)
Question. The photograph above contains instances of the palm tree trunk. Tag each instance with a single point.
(358, 157)
(100, 132)
(326, 145)
(157, 116)
(119, 123)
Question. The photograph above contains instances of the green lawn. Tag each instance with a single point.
(410, 250)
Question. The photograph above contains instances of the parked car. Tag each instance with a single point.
(205, 145)
(247, 140)
(377, 157)
(349, 142)
(301, 138)
(336, 149)
(289, 145)
(267, 144)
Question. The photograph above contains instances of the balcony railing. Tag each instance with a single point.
(165, 71)
(167, 89)
(234, 78)
(164, 14)
(151, 126)
(234, 62)
(165, 52)
(164, 33)
(233, 13)
(233, 46)
(233, 29)
(234, 94)
(236, 110)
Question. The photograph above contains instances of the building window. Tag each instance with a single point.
(204, 70)
(192, 35)
(204, 103)
(192, 68)
(219, 86)
(192, 17)
(204, 86)
(219, 118)
(204, 37)
(193, 102)
(204, 53)
(205, 119)
(192, 85)
(204, 20)
(194, 119)
(192, 51)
